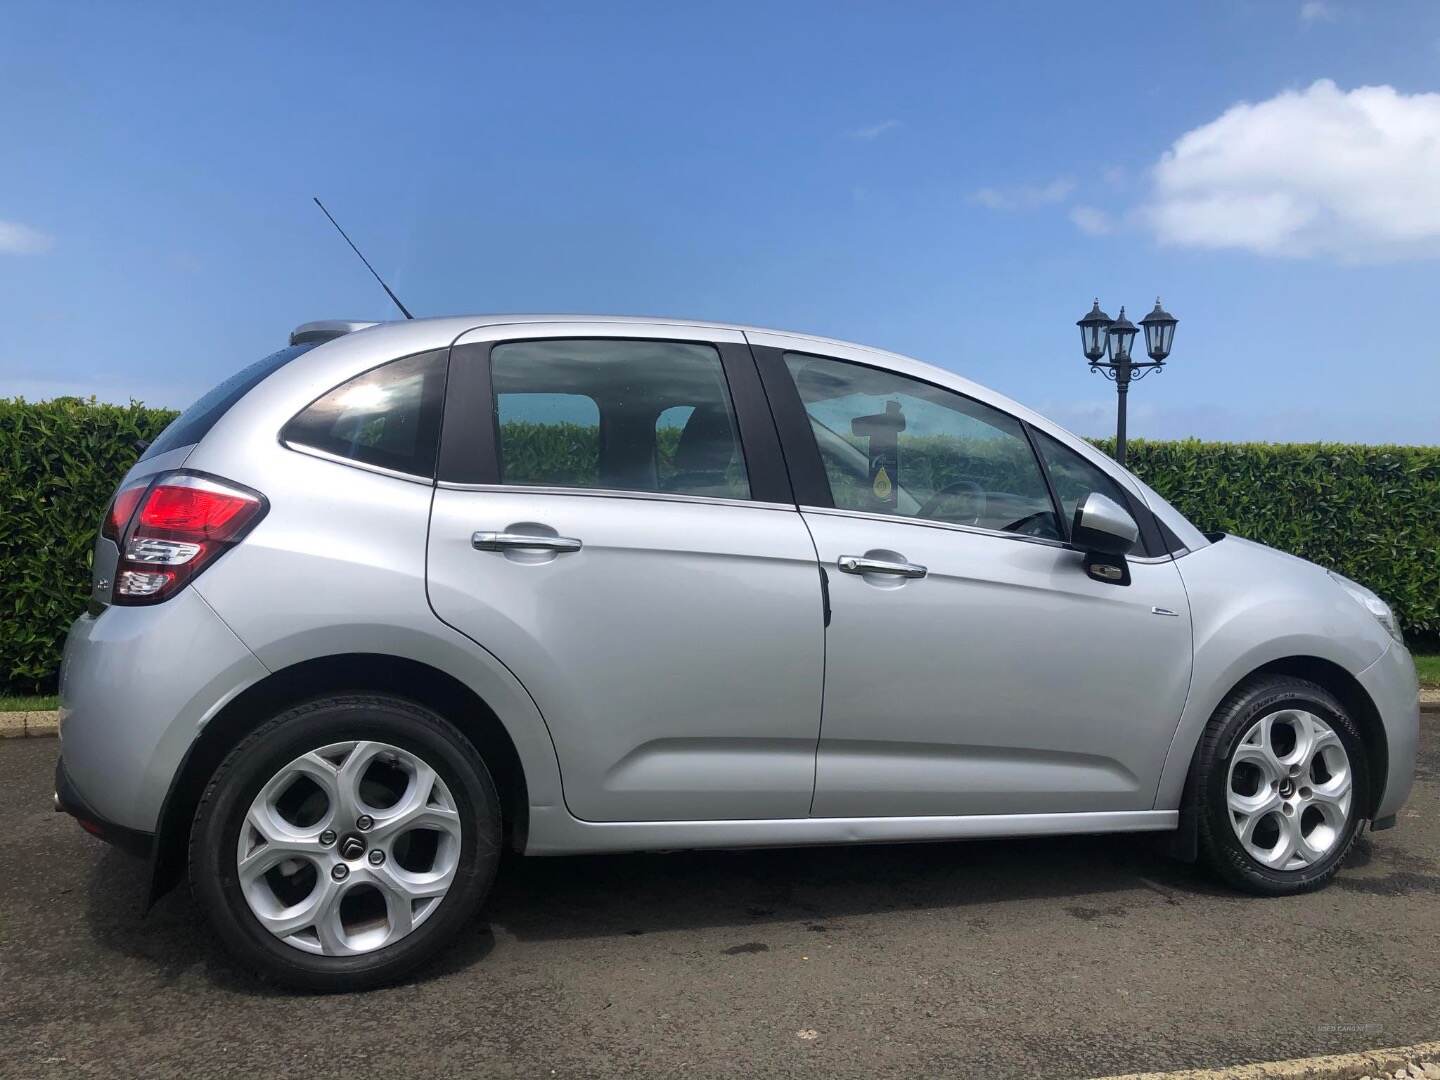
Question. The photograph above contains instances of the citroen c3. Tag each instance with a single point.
(402, 595)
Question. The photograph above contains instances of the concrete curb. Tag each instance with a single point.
(1333, 1067)
(19, 725)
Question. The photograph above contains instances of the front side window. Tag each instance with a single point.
(895, 445)
(388, 416)
(1073, 477)
(617, 414)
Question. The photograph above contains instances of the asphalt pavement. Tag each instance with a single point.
(1037, 958)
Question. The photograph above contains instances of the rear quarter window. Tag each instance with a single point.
(388, 417)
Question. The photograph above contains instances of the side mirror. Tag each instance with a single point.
(1104, 531)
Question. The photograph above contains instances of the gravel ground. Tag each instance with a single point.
(1033, 958)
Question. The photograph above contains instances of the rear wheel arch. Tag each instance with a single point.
(1330, 676)
(351, 672)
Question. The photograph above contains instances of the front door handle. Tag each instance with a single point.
(858, 564)
(507, 541)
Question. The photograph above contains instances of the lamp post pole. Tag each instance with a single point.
(1106, 343)
(1122, 394)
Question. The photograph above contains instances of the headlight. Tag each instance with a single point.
(1371, 603)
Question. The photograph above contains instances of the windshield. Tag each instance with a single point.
(192, 425)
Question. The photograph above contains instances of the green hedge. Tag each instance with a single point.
(1371, 512)
(59, 463)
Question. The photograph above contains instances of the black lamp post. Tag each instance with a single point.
(1106, 343)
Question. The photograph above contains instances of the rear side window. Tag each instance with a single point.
(195, 422)
(617, 414)
(549, 438)
(388, 417)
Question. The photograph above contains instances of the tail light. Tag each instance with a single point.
(121, 508)
(171, 527)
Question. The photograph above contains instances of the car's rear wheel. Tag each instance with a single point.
(1281, 786)
(345, 842)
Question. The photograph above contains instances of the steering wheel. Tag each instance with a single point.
(956, 487)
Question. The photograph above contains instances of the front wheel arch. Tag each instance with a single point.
(1330, 676)
(323, 676)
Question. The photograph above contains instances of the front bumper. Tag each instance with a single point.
(1391, 683)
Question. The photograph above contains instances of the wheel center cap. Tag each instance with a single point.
(352, 847)
(1287, 788)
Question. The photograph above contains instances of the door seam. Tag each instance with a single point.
(825, 599)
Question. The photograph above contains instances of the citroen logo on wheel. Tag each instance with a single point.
(352, 847)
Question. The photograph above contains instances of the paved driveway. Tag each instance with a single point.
(1065, 957)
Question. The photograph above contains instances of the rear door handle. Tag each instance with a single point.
(506, 541)
(858, 564)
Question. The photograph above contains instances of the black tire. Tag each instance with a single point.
(1220, 848)
(215, 832)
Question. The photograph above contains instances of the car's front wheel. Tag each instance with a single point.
(1281, 786)
(345, 842)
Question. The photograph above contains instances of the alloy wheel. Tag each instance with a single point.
(1289, 790)
(349, 848)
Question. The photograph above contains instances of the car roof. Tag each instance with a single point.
(465, 322)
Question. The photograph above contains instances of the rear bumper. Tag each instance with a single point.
(1393, 687)
(70, 801)
(137, 684)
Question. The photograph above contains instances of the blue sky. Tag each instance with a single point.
(954, 181)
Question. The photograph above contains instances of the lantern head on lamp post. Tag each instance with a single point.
(1159, 332)
(1106, 343)
(1092, 332)
(1119, 337)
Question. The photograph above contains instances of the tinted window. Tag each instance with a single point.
(549, 439)
(627, 415)
(1073, 477)
(893, 445)
(195, 422)
(388, 416)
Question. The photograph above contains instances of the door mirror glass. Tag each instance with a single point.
(1102, 526)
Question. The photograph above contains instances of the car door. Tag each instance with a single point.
(972, 666)
(613, 521)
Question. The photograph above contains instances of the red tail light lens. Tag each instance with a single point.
(122, 508)
(204, 512)
(184, 521)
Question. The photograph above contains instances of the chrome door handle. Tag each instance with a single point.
(505, 541)
(856, 564)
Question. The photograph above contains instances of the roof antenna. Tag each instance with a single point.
(388, 291)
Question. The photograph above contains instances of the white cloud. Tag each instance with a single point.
(17, 239)
(873, 131)
(1313, 11)
(1025, 196)
(1319, 171)
(1091, 221)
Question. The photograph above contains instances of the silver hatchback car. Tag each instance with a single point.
(404, 594)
